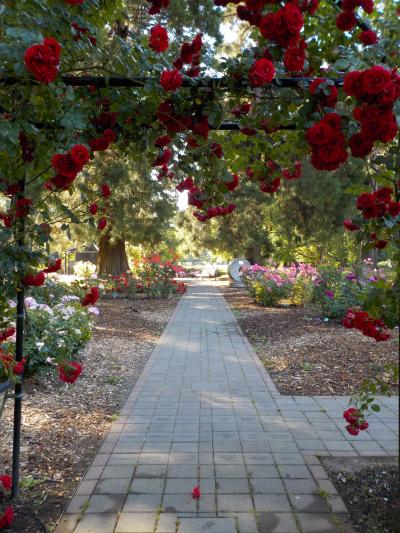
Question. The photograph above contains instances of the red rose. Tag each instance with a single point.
(54, 266)
(353, 83)
(99, 145)
(368, 37)
(394, 208)
(171, 80)
(19, 367)
(7, 518)
(202, 128)
(216, 150)
(6, 481)
(105, 190)
(162, 141)
(91, 297)
(69, 371)
(158, 39)
(367, 5)
(350, 225)
(65, 165)
(262, 72)
(232, 185)
(320, 134)
(294, 59)
(74, 2)
(102, 223)
(353, 430)
(43, 60)
(93, 208)
(380, 244)
(360, 145)
(163, 158)
(34, 280)
(346, 20)
(196, 493)
(7, 333)
(109, 135)
(80, 155)
(375, 80)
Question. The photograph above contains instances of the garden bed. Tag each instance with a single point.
(306, 354)
(63, 426)
(370, 489)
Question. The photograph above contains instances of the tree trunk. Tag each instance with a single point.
(112, 258)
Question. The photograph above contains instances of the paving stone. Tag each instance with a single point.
(186, 471)
(97, 523)
(308, 503)
(142, 503)
(117, 472)
(123, 459)
(167, 523)
(232, 486)
(180, 485)
(240, 503)
(209, 525)
(317, 523)
(268, 486)
(86, 487)
(150, 471)
(102, 503)
(271, 522)
(300, 486)
(247, 522)
(147, 485)
(112, 486)
(261, 471)
(76, 504)
(135, 523)
(67, 523)
(294, 471)
(179, 503)
(271, 502)
(230, 471)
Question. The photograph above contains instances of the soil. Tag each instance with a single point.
(64, 425)
(370, 489)
(306, 354)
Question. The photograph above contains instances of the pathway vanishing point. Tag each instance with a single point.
(205, 412)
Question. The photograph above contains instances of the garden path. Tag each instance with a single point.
(205, 412)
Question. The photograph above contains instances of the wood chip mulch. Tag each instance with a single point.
(64, 425)
(305, 354)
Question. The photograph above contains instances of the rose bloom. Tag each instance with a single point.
(158, 39)
(80, 155)
(294, 59)
(368, 37)
(43, 60)
(261, 73)
(171, 80)
(346, 20)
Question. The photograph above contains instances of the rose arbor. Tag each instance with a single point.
(72, 87)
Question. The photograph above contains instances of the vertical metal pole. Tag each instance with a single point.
(19, 351)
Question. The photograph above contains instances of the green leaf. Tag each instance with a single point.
(375, 407)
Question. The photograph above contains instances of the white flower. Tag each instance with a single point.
(30, 302)
(12, 304)
(62, 332)
(68, 298)
(94, 276)
(101, 286)
(93, 310)
(40, 345)
(45, 307)
(78, 331)
(60, 343)
(50, 360)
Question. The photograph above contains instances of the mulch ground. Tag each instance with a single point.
(370, 489)
(64, 425)
(305, 354)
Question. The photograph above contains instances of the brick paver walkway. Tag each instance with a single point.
(206, 412)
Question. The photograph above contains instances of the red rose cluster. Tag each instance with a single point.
(68, 165)
(19, 210)
(38, 279)
(158, 39)
(43, 60)
(212, 212)
(376, 91)
(91, 297)
(190, 55)
(295, 174)
(5, 486)
(104, 124)
(185, 185)
(80, 32)
(242, 109)
(346, 19)
(327, 143)
(6, 334)
(378, 204)
(157, 5)
(355, 420)
(370, 327)
(171, 80)
(69, 371)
